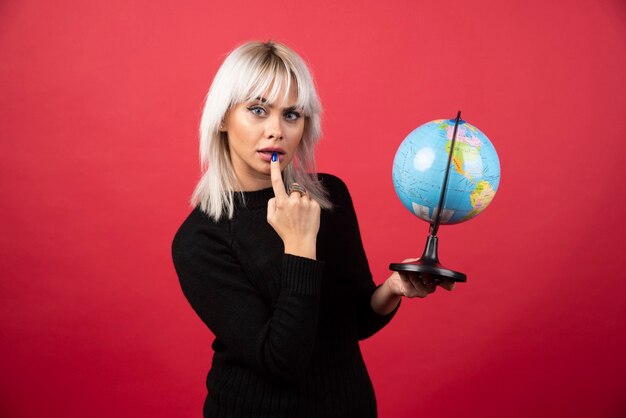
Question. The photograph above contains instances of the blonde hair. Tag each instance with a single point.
(248, 72)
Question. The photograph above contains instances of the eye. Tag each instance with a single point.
(257, 110)
(292, 116)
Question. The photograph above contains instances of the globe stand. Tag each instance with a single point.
(429, 261)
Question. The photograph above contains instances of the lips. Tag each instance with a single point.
(266, 154)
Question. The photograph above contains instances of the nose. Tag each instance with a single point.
(273, 129)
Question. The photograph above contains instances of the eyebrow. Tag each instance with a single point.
(264, 100)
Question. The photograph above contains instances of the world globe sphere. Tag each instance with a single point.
(419, 168)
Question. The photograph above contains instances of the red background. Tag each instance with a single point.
(99, 108)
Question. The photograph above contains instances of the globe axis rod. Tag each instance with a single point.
(434, 227)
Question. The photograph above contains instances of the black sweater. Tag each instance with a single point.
(286, 327)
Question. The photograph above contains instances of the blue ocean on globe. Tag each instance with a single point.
(420, 165)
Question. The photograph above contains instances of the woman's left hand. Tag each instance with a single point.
(411, 285)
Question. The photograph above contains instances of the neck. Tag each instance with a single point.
(253, 183)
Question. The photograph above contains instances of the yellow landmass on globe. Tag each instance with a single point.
(458, 164)
(480, 198)
(461, 155)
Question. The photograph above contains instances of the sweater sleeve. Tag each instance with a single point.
(276, 342)
(369, 322)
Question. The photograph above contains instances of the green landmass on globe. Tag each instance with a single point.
(420, 165)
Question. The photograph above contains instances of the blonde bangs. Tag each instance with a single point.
(268, 79)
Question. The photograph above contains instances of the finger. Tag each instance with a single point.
(407, 286)
(277, 178)
(406, 276)
(430, 287)
(429, 282)
(447, 284)
(298, 193)
(404, 284)
(271, 207)
(305, 198)
(420, 288)
(406, 260)
(429, 279)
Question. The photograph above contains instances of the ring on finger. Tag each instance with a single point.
(295, 187)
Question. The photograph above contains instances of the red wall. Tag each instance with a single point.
(99, 107)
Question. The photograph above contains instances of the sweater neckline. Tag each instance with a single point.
(254, 199)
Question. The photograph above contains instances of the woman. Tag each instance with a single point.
(278, 273)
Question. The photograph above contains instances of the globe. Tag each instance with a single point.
(420, 164)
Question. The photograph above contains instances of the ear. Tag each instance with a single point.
(223, 127)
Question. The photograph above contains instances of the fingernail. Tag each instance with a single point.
(274, 157)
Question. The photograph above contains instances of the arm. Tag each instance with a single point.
(277, 342)
(374, 308)
(384, 300)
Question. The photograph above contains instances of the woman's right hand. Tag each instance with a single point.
(295, 218)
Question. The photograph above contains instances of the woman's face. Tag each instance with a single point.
(255, 130)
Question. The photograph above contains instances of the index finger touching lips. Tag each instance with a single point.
(277, 178)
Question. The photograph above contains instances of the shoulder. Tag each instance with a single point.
(336, 188)
(199, 231)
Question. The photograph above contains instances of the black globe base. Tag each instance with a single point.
(429, 263)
